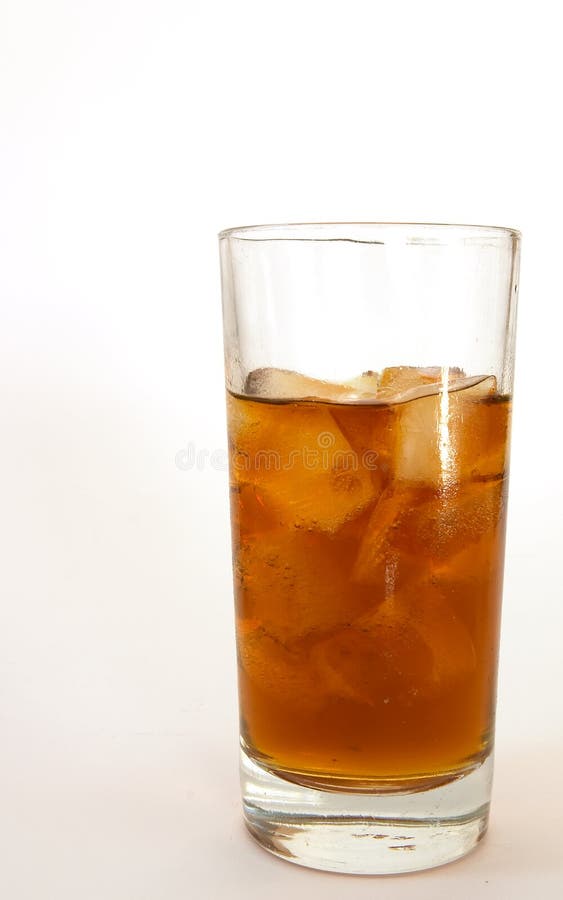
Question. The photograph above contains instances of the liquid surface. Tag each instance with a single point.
(368, 536)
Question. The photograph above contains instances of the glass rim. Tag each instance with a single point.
(327, 231)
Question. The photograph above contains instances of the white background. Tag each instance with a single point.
(131, 132)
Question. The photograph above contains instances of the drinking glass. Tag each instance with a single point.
(369, 372)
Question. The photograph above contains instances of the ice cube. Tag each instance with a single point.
(436, 433)
(367, 383)
(419, 609)
(373, 660)
(483, 446)
(470, 582)
(274, 670)
(283, 384)
(369, 429)
(445, 635)
(377, 562)
(449, 521)
(296, 584)
(399, 383)
(305, 471)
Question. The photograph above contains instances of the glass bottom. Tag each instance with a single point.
(366, 833)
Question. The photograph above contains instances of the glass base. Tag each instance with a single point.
(367, 833)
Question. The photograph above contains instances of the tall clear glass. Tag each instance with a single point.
(369, 374)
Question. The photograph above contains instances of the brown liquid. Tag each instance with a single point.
(368, 554)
